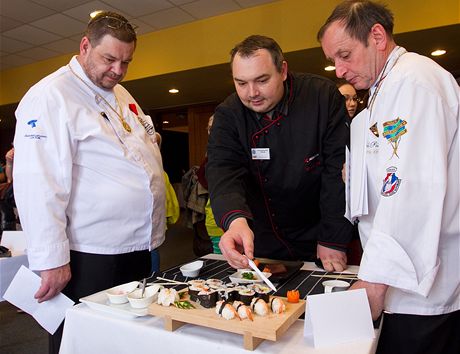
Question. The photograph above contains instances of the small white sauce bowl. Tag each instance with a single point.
(191, 269)
(138, 302)
(119, 294)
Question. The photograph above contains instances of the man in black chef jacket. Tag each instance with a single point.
(276, 151)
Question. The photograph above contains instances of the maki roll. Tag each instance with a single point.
(207, 298)
(214, 282)
(262, 292)
(193, 291)
(246, 295)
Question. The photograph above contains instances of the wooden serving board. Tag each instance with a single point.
(269, 327)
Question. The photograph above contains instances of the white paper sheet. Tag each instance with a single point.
(338, 317)
(20, 293)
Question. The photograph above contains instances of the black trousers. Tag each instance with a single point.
(92, 273)
(414, 334)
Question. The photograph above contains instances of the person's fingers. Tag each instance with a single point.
(45, 292)
(248, 245)
(327, 266)
(338, 266)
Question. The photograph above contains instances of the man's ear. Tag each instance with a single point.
(379, 36)
(284, 69)
(84, 45)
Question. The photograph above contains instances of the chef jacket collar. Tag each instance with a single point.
(282, 107)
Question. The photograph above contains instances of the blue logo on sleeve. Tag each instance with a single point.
(32, 123)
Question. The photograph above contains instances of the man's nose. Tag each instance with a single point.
(340, 70)
(253, 90)
(117, 68)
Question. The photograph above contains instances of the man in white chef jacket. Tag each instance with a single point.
(404, 180)
(88, 174)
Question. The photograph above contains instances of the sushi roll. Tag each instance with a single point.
(216, 282)
(167, 297)
(277, 305)
(246, 295)
(207, 298)
(259, 307)
(226, 310)
(196, 282)
(222, 293)
(193, 291)
(243, 310)
(262, 292)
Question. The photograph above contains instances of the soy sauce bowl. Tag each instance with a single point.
(191, 269)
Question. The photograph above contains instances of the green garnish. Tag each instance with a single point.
(183, 305)
(248, 276)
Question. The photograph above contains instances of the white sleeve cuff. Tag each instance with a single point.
(49, 256)
(385, 261)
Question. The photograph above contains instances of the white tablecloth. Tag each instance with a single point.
(15, 241)
(89, 331)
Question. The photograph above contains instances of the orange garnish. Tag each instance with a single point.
(293, 296)
(267, 270)
(256, 262)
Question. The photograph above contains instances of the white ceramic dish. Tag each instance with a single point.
(191, 269)
(99, 302)
(237, 277)
(150, 295)
(119, 294)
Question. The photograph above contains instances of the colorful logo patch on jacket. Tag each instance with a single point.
(393, 130)
(391, 182)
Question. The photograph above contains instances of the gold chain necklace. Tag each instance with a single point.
(123, 122)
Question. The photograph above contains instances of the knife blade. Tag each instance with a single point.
(261, 275)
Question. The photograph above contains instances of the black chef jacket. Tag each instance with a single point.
(297, 197)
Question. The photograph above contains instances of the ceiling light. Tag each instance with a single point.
(329, 68)
(166, 122)
(173, 90)
(438, 52)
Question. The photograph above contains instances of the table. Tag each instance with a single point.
(15, 241)
(90, 331)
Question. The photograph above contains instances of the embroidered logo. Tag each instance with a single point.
(374, 130)
(391, 182)
(32, 123)
(393, 130)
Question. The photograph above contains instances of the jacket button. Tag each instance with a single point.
(266, 131)
(265, 180)
(257, 137)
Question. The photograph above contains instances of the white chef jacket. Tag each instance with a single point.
(405, 186)
(81, 181)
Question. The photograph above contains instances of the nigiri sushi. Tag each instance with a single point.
(226, 310)
(243, 310)
(259, 306)
(277, 305)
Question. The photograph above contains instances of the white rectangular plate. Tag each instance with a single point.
(100, 302)
(238, 278)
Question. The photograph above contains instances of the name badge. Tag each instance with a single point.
(261, 154)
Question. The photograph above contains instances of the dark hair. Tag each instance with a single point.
(358, 17)
(247, 48)
(340, 82)
(111, 23)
